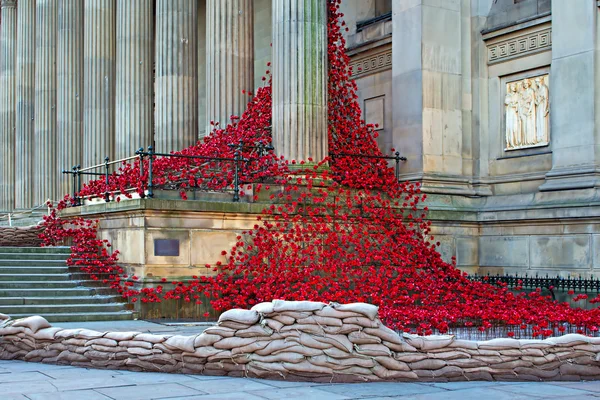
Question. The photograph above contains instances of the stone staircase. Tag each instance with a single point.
(37, 281)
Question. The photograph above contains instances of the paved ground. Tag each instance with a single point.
(22, 380)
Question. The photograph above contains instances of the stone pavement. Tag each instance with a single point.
(22, 380)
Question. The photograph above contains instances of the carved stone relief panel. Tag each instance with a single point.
(527, 113)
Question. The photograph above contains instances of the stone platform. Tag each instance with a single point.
(306, 341)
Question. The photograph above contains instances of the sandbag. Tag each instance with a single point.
(46, 333)
(275, 347)
(150, 338)
(251, 348)
(363, 338)
(136, 343)
(234, 325)
(305, 366)
(314, 319)
(234, 342)
(386, 334)
(392, 364)
(34, 323)
(499, 344)
(253, 331)
(464, 344)
(427, 364)
(572, 339)
(206, 339)
(4, 317)
(284, 319)
(402, 347)
(282, 305)
(88, 334)
(248, 317)
(339, 341)
(183, 343)
(118, 336)
(373, 350)
(285, 356)
(362, 321)
(220, 331)
(368, 310)
(449, 355)
(102, 342)
(314, 329)
(342, 330)
(330, 312)
(427, 343)
(263, 308)
(273, 324)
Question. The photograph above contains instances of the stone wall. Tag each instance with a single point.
(20, 236)
(305, 341)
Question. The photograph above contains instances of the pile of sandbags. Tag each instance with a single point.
(27, 236)
(303, 340)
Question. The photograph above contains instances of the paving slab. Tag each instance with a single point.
(543, 390)
(148, 392)
(70, 395)
(382, 389)
(227, 385)
(300, 393)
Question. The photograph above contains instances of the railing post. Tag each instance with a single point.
(78, 172)
(106, 193)
(150, 155)
(140, 152)
(74, 173)
(236, 172)
(397, 157)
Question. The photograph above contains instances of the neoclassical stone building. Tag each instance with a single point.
(493, 102)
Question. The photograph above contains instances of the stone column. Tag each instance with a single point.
(229, 58)
(176, 114)
(46, 175)
(202, 100)
(99, 80)
(8, 40)
(135, 47)
(69, 73)
(25, 101)
(574, 96)
(300, 79)
(430, 74)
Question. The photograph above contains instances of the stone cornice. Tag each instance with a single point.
(520, 43)
(372, 62)
(8, 3)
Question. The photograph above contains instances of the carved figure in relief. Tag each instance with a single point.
(513, 123)
(527, 113)
(542, 110)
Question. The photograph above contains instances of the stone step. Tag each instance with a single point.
(41, 309)
(37, 285)
(38, 250)
(37, 300)
(32, 256)
(35, 270)
(31, 263)
(82, 317)
(50, 292)
(34, 277)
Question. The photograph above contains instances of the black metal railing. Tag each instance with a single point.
(238, 161)
(396, 157)
(578, 284)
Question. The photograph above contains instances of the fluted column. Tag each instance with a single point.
(229, 58)
(46, 174)
(300, 79)
(8, 40)
(176, 74)
(69, 71)
(25, 104)
(134, 76)
(98, 80)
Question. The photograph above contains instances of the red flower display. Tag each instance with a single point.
(346, 233)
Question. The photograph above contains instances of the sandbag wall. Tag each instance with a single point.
(305, 341)
(20, 236)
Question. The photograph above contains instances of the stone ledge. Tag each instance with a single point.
(310, 341)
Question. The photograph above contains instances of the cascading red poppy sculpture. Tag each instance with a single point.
(346, 233)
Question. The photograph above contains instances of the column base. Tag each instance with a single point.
(448, 184)
(580, 177)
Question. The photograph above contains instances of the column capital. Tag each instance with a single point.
(8, 3)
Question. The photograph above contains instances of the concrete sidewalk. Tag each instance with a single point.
(33, 381)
